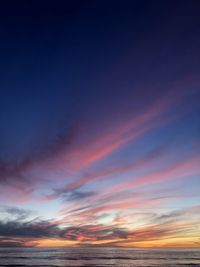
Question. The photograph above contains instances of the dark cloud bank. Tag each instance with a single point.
(25, 232)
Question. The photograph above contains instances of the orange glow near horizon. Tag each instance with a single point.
(176, 242)
(54, 242)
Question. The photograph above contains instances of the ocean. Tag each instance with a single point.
(98, 257)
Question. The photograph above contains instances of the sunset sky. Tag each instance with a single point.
(99, 123)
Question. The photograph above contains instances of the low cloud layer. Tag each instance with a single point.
(32, 232)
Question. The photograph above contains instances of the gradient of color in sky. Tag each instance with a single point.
(99, 123)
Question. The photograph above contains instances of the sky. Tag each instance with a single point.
(99, 123)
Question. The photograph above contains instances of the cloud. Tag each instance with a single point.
(18, 176)
(94, 232)
(119, 133)
(11, 173)
(157, 227)
(31, 229)
(177, 170)
(18, 213)
(129, 202)
(75, 151)
(180, 214)
(9, 242)
(108, 199)
(76, 195)
(13, 231)
(110, 171)
(115, 137)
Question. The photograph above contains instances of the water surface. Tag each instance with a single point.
(98, 257)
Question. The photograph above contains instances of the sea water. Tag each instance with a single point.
(66, 257)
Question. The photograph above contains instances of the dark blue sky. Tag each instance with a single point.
(62, 62)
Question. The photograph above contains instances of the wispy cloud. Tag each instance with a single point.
(159, 228)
